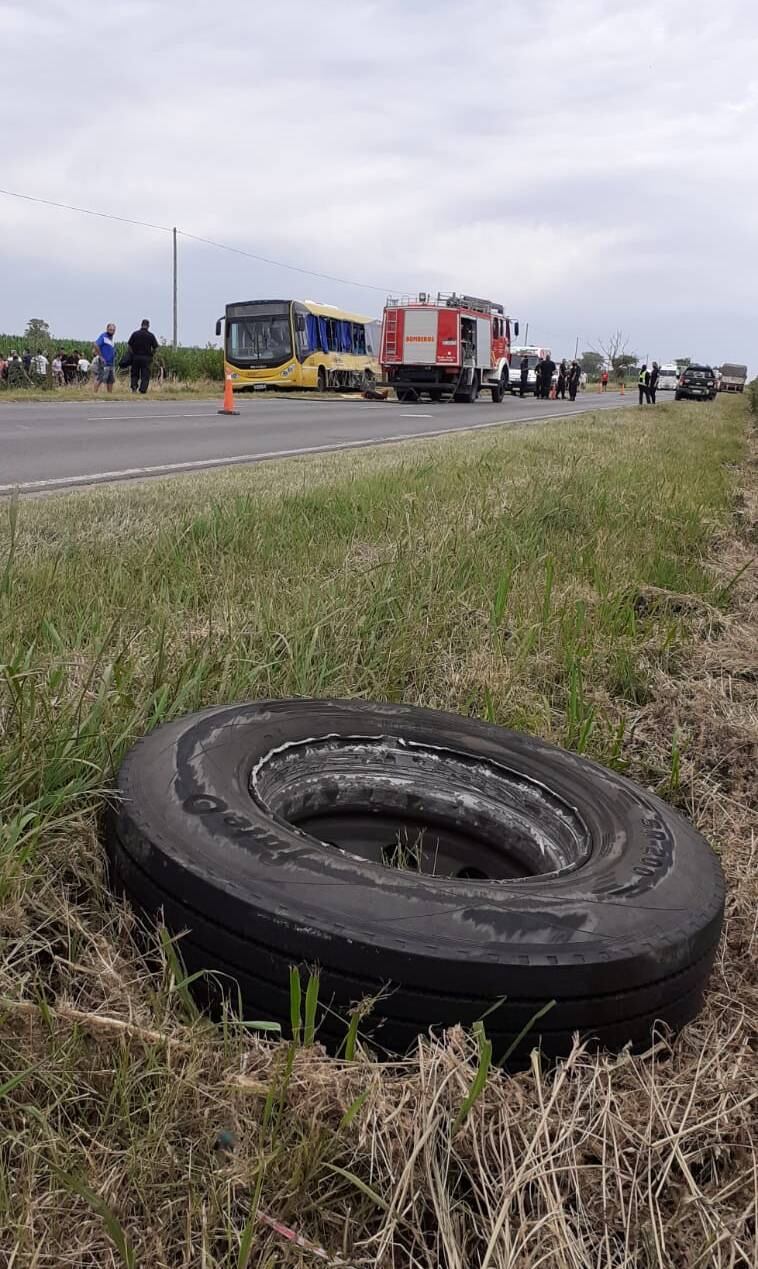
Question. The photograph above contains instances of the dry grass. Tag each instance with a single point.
(134, 1132)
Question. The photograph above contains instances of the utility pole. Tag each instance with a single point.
(576, 348)
(176, 305)
(526, 334)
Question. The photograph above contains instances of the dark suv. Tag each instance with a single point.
(697, 383)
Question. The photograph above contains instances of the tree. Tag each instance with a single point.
(37, 334)
(613, 347)
(614, 353)
(682, 363)
(592, 363)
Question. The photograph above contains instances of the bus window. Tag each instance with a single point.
(372, 331)
(302, 342)
(259, 339)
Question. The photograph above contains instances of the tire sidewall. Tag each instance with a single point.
(648, 900)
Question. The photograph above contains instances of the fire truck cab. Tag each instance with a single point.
(451, 347)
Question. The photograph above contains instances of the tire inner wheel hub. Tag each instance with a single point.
(423, 809)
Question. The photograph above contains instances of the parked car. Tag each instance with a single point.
(697, 383)
(668, 378)
(515, 379)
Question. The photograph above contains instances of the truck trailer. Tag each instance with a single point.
(733, 378)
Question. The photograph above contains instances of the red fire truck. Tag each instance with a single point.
(450, 347)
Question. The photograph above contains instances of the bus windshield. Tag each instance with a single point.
(259, 339)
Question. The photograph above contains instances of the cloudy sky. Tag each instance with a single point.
(592, 164)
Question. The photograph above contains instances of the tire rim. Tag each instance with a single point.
(421, 809)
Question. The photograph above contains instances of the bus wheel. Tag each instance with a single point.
(322, 379)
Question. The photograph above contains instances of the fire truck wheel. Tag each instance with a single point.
(500, 389)
(469, 394)
(448, 869)
(407, 394)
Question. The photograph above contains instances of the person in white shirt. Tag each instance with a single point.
(58, 370)
(83, 367)
(39, 364)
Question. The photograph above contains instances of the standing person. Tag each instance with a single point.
(15, 374)
(562, 377)
(574, 375)
(524, 376)
(39, 364)
(26, 360)
(143, 346)
(643, 384)
(58, 370)
(539, 371)
(604, 381)
(70, 363)
(548, 370)
(105, 354)
(82, 367)
(655, 375)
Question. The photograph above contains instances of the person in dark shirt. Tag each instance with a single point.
(548, 370)
(524, 376)
(142, 346)
(562, 377)
(70, 367)
(655, 374)
(573, 377)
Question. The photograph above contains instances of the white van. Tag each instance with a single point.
(668, 378)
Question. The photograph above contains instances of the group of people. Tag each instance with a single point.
(65, 367)
(68, 368)
(568, 378)
(647, 383)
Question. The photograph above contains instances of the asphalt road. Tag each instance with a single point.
(60, 445)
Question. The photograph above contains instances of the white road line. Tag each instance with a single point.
(101, 418)
(233, 460)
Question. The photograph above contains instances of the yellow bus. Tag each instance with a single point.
(298, 344)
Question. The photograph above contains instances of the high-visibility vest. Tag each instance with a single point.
(641, 379)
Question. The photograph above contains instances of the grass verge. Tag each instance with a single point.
(169, 390)
(592, 581)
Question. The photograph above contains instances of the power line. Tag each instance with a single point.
(85, 211)
(208, 242)
(328, 277)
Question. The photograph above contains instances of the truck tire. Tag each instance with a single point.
(499, 389)
(469, 394)
(447, 866)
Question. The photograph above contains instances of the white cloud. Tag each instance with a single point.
(592, 165)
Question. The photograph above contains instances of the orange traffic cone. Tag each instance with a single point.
(228, 407)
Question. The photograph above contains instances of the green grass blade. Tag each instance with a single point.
(296, 1004)
(480, 1079)
(311, 1006)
